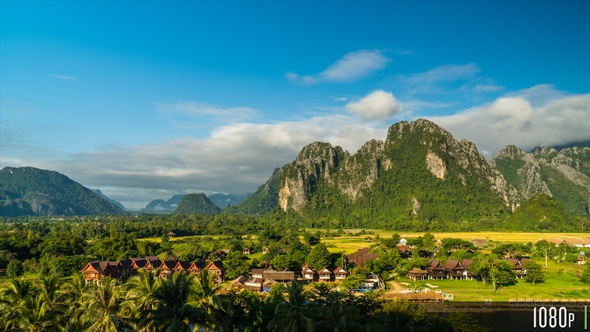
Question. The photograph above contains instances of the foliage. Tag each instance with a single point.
(319, 257)
(534, 272)
(585, 278)
(501, 274)
(14, 268)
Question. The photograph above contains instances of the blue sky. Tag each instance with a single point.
(145, 100)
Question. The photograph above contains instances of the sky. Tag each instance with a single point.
(147, 99)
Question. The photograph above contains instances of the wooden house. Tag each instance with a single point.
(95, 271)
(246, 251)
(181, 267)
(217, 269)
(517, 267)
(361, 256)
(196, 267)
(253, 284)
(325, 275)
(340, 273)
(454, 269)
(308, 273)
(257, 273)
(466, 263)
(435, 270)
(279, 276)
(167, 268)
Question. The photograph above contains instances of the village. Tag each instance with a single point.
(262, 278)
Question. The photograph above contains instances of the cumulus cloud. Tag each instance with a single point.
(376, 105)
(525, 119)
(235, 158)
(349, 68)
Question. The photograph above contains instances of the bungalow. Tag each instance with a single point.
(517, 267)
(340, 273)
(454, 269)
(246, 251)
(308, 273)
(181, 267)
(196, 267)
(435, 270)
(167, 268)
(253, 284)
(171, 234)
(95, 271)
(218, 270)
(265, 250)
(325, 275)
(466, 263)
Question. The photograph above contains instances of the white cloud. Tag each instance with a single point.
(235, 158)
(376, 105)
(65, 78)
(525, 119)
(351, 67)
(195, 109)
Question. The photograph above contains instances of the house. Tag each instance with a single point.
(466, 263)
(454, 269)
(361, 256)
(95, 271)
(435, 270)
(257, 273)
(280, 276)
(403, 242)
(221, 253)
(167, 268)
(246, 251)
(217, 269)
(196, 267)
(265, 250)
(340, 273)
(171, 234)
(517, 267)
(417, 274)
(325, 274)
(308, 273)
(404, 250)
(181, 267)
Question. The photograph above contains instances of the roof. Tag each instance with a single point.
(93, 267)
(435, 265)
(466, 263)
(279, 275)
(197, 266)
(361, 256)
(325, 271)
(340, 270)
(452, 264)
(182, 265)
(257, 271)
(168, 264)
(216, 265)
(417, 271)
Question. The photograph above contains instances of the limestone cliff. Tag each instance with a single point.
(420, 169)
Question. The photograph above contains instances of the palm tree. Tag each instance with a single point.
(12, 294)
(174, 311)
(141, 298)
(215, 308)
(34, 314)
(74, 291)
(101, 307)
(291, 316)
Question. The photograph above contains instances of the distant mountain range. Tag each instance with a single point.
(32, 191)
(419, 173)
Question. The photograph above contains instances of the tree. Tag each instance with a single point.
(212, 305)
(14, 268)
(319, 257)
(501, 274)
(101, 307)
(534, 272)
(236, 264)
(292, 316)
(480, 267)
(141, 297)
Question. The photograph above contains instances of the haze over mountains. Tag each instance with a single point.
(419, 172)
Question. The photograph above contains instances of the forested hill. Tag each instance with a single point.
(32, 191)
(196, 204)
(563, 174)
(419, 174)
